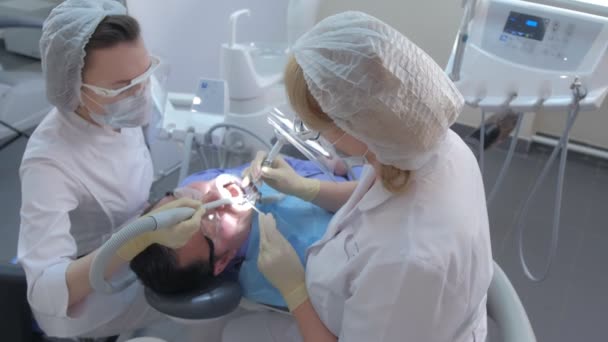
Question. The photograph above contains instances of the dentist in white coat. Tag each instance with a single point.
(407, 256)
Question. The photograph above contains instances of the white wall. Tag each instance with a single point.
(188, 33)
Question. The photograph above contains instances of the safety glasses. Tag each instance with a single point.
(211, 254)
(211, 222)
(155, 63)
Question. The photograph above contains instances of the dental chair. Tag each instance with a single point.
(224, 296)
(507, 311)
(221, 299)
(217, 299)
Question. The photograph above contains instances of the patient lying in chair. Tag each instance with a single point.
(229, 237)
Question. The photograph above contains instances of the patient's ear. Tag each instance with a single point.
(222, 262)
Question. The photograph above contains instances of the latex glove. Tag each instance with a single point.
(282, 178)
(173, 237)
(280, 264)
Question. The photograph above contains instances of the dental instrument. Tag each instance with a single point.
(541, 57)
(274, 151)
(306, 141)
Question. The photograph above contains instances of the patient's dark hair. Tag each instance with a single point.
(157, 268)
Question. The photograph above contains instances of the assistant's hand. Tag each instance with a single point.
(282, 178)
(173, 237)
(280, 264)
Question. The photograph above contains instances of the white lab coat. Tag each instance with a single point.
(80, 183)
(400, 267)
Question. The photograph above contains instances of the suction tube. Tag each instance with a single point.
(160, 220)
(578, 95)
(507, 163)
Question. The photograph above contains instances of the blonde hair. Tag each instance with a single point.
(394, 179)
(301, 99)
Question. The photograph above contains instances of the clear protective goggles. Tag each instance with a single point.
(109, 93)
(214, 221)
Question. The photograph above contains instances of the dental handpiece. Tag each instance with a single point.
(274, 151)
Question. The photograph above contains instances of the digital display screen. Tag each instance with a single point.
(527, 26)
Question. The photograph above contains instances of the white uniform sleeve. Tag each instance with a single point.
(46, 246)
(406, 301)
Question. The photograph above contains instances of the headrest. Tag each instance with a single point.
(218, 298)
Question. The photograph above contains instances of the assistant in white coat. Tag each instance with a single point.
(81, 180)
(80, 183)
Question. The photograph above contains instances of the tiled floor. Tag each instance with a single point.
(571, 305)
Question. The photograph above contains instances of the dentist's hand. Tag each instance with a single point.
(173, 237)
(281, 177)
(280, 264)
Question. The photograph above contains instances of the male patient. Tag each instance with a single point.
(229, 237)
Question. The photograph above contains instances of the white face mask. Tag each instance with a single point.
(132, 111)
(350, 161)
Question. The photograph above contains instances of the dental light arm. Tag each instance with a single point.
(294, 132)
(160, 220)
(305, 141)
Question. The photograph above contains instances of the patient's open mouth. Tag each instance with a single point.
(234, 189)
(230, 186)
